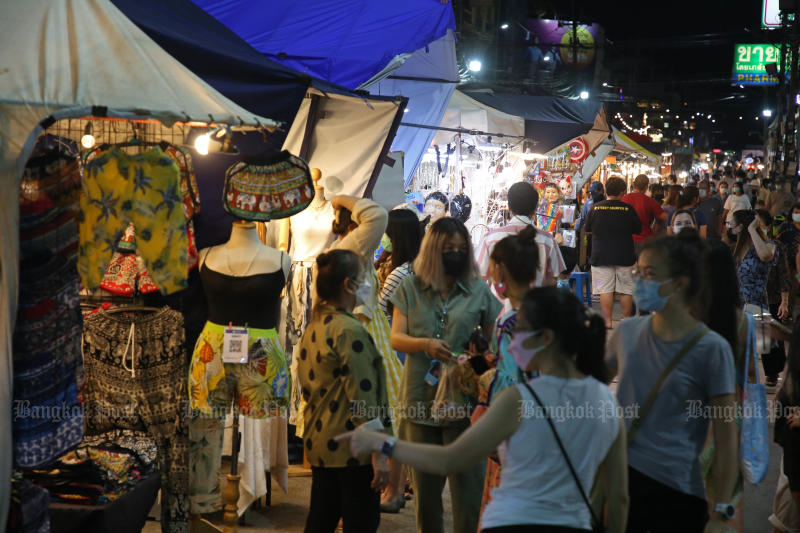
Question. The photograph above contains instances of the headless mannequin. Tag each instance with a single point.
(317, 204)
(244, 254)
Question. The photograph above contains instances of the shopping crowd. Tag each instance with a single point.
(504, 393)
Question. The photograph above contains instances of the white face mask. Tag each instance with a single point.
(363, 293)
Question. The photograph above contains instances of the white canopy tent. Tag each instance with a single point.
(467, 113)
(60, 59)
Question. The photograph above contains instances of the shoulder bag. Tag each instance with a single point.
(597, 525)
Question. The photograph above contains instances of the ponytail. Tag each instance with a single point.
(578, 333)
(519, 253)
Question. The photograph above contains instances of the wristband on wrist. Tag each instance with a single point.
(387, 448)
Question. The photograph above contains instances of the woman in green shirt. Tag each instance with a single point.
(343, 383)
(435, 311)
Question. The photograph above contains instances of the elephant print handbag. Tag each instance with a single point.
(272, 187)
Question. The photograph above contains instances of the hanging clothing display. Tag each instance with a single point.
(120, 188)
(132, 367)
(311, 235)
(53, 170)
(127, 274)
(191, 195)
(48, 369)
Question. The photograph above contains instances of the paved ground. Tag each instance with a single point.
(288, 511)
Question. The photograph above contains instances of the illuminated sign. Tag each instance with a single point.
(771, 14)
(749, 64)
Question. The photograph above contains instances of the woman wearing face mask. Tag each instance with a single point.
(436, 310)
(511, 275)
(360, 224)
(683, 218)
(697, 366)
(755, 257)
(555, 337)
(735, 202)
(339, 365)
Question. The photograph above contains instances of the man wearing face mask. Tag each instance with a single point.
(711, 207)
(779, 201)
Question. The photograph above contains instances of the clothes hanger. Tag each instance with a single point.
(133, 308)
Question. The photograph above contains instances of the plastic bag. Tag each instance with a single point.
(449, 404)
(754, 440)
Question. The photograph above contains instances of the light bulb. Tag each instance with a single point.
(87, 141)
(201, 143)
(475, 65)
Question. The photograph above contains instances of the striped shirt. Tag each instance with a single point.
(551, 263)
(390, 285)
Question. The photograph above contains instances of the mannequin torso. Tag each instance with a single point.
(244, 254)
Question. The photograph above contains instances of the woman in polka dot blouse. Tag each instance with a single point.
(343, 383)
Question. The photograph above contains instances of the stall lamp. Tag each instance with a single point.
(475, 65)
(767, 113)
(201, 143)
(546, 59)
(504, 26)
(88, 140)
(584, 95)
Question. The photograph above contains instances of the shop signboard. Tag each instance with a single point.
(770, 14)
(749, 64)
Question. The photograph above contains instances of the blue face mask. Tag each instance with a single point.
(646, 297)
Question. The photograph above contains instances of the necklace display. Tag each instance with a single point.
(246, 270)
(318, 205)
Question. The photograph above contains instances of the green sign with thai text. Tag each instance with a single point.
(749, 64)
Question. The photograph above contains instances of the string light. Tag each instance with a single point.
(640, 131)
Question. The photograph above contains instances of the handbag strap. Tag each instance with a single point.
(749, 349)
(651, 398)
(595, 521)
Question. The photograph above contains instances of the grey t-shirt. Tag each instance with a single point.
(711, 207)
(669, 441)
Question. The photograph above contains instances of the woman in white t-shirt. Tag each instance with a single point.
(735, 202)
(556, 337)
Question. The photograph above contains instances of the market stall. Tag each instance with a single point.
(97, 119)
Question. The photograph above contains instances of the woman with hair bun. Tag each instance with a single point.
(555, 337)
(339, 368)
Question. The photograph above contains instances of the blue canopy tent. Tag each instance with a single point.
(343, 41)
(549, 121)
(388, 48)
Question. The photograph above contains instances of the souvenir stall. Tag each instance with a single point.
(102, 196)
(628, 159)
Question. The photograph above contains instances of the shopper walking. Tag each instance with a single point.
(672, 199)
(522, 202)
(711, 206)
(787, 423)
(436, 309)
(555, 337)
(666, 487)
(781, 200)
(596, 194)
(511, 277)
(648, 210)
(613, 223)
(340, 367)
(405, 232)
(735, 202)
(755, 256)
(690, 198)
(683, 219)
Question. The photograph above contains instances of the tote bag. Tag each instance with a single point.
(754, 440)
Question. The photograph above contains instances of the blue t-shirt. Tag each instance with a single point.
(671, 437)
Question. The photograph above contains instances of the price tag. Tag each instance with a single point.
(234, 345)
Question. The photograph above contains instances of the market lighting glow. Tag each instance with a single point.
(767, 113)
(87, 141)
(201, 143)
(504, 26)
(546, 59)
(584, 95)
(605, 84)
(528, 156)
(475, 65)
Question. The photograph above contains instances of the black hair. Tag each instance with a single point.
(341, 224)
(519, 254)
(576, 331)
(793, 366)
(682, 260)
(333, 268)
(764, 215)
(657, 192)
(795, 205)
(720, 287)
(405, 231)
(615, 186)
(522, 199)
(439, 197)
(688, 196)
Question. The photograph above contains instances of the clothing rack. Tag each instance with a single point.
(112, 131)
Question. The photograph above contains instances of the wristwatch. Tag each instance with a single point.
(387, 448)
(727, 510)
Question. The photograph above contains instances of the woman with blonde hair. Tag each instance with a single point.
(436, 310)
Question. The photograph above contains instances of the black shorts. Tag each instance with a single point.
(791, 467)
